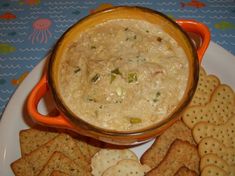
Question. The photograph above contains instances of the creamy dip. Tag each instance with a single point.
(123, 75)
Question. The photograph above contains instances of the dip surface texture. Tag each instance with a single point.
(123, 75)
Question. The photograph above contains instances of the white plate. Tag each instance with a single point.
(216, 61)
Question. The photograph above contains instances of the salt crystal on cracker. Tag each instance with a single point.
(220, 108)
(224, 133)
(127, 167)
(213, 146)
(106, 158)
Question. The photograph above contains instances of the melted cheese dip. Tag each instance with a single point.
(123, 75)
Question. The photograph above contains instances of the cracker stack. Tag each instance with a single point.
(210, 121)
(212, 170)
(213, 160)
(33, 163)
(181, 153)
(53, 153)
(206, 86)
(173, 153)
(225, 133)
(155, 154)
(63, 163)
(213, 127)
(31, 139)
(220, 108)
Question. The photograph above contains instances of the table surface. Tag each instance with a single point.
(30, 28)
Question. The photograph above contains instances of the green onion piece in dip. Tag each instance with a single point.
(132, 77)
(95, 78)
(135, 120)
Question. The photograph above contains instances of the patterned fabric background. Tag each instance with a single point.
(30, 28)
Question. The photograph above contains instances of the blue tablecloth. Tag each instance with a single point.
(30, 28)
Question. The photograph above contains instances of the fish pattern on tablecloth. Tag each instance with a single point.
(30, 28)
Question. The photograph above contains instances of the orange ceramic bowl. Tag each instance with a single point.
(66, 119)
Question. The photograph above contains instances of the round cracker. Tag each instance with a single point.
(224, 133)
(127, 167)
(106, 158)
(205, 88)
(213, 146)
(220, 108)
(213, 159)
(212, 170)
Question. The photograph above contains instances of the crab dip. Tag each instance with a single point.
(123, 74)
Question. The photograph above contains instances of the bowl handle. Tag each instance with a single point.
(201, 30)
(32, 103)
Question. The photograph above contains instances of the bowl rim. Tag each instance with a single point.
(78, 122)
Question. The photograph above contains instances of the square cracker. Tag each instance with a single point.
(155, 154)
(32, 163)
(31, 139)
(88, 146)
(180, 153)
(61, 163)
